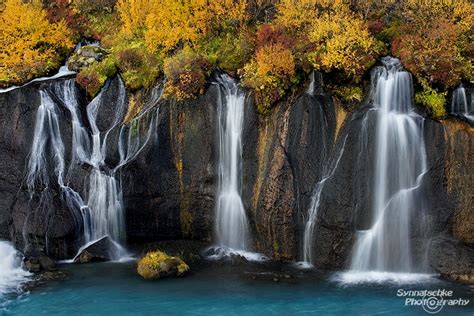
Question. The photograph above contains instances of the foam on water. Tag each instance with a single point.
(223, 253)
(12, 276)
(380, 277)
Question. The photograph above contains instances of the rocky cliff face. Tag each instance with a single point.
(23, 218)
(169, 188)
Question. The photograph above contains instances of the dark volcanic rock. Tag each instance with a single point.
(177, 199)
(282, 162)
(39, 263)
(453, 259)
(100, 250)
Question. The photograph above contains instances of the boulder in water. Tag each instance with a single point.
(100, 250)
(453, 259)
(157, 265)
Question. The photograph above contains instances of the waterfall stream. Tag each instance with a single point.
(102, 208)
(313, 210)
(385, 249)
(460, 105)
(231, 219)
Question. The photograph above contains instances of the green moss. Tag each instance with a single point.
(349, 93)
(230, 51)
(388, 34)
(433, 100)
(93, 77)
(138, 67)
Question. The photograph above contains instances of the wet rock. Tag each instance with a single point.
(47, 263)
(283, 155)
(157, 265)
(39, 263)
(453, 259)
(101, 250)
(86, 56)
(183, 161)
(44, 278)
(32, 265)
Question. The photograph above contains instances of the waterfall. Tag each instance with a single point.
(310, 89)
(11, 273)
(313, 210)
(399, 167)
(102, 208)
(231, 221)
(460, 105)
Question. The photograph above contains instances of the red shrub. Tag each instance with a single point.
(270, 34)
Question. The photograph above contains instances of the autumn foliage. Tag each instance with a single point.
(186, 74)
(272, 45)
(30, 45)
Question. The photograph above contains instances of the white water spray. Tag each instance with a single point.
(231, 219)
(12, 276)
(400, 165)
(460, 105)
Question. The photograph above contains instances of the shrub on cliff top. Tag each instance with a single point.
(167, 23)
(30, 45)
(138, 67)
(186, 74)
(93, 77)
(435, 53)
(433, 100)
(269, 74)
(342, 42)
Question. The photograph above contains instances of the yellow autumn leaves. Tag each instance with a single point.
(166, 23)
(29, 44)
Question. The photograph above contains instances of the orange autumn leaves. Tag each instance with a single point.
(30, 45)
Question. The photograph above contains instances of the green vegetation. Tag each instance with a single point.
(186, 74)
(270, 44)
(93, 77)
(432, 100)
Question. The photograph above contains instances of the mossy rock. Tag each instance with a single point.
(157, 265)
(85, 57)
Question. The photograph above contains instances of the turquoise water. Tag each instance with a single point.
(115, 289)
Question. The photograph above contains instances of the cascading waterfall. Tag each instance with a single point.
(400, 164)
(460, 105)
(11, 273)
(102, 209)
(104, 196)
(231, 220)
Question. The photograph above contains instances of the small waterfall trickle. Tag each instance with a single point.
(460, 105)
(399, 167)
(231, 219)
(313, 210)
(12, 276)
(102, 208)
(310, 89)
